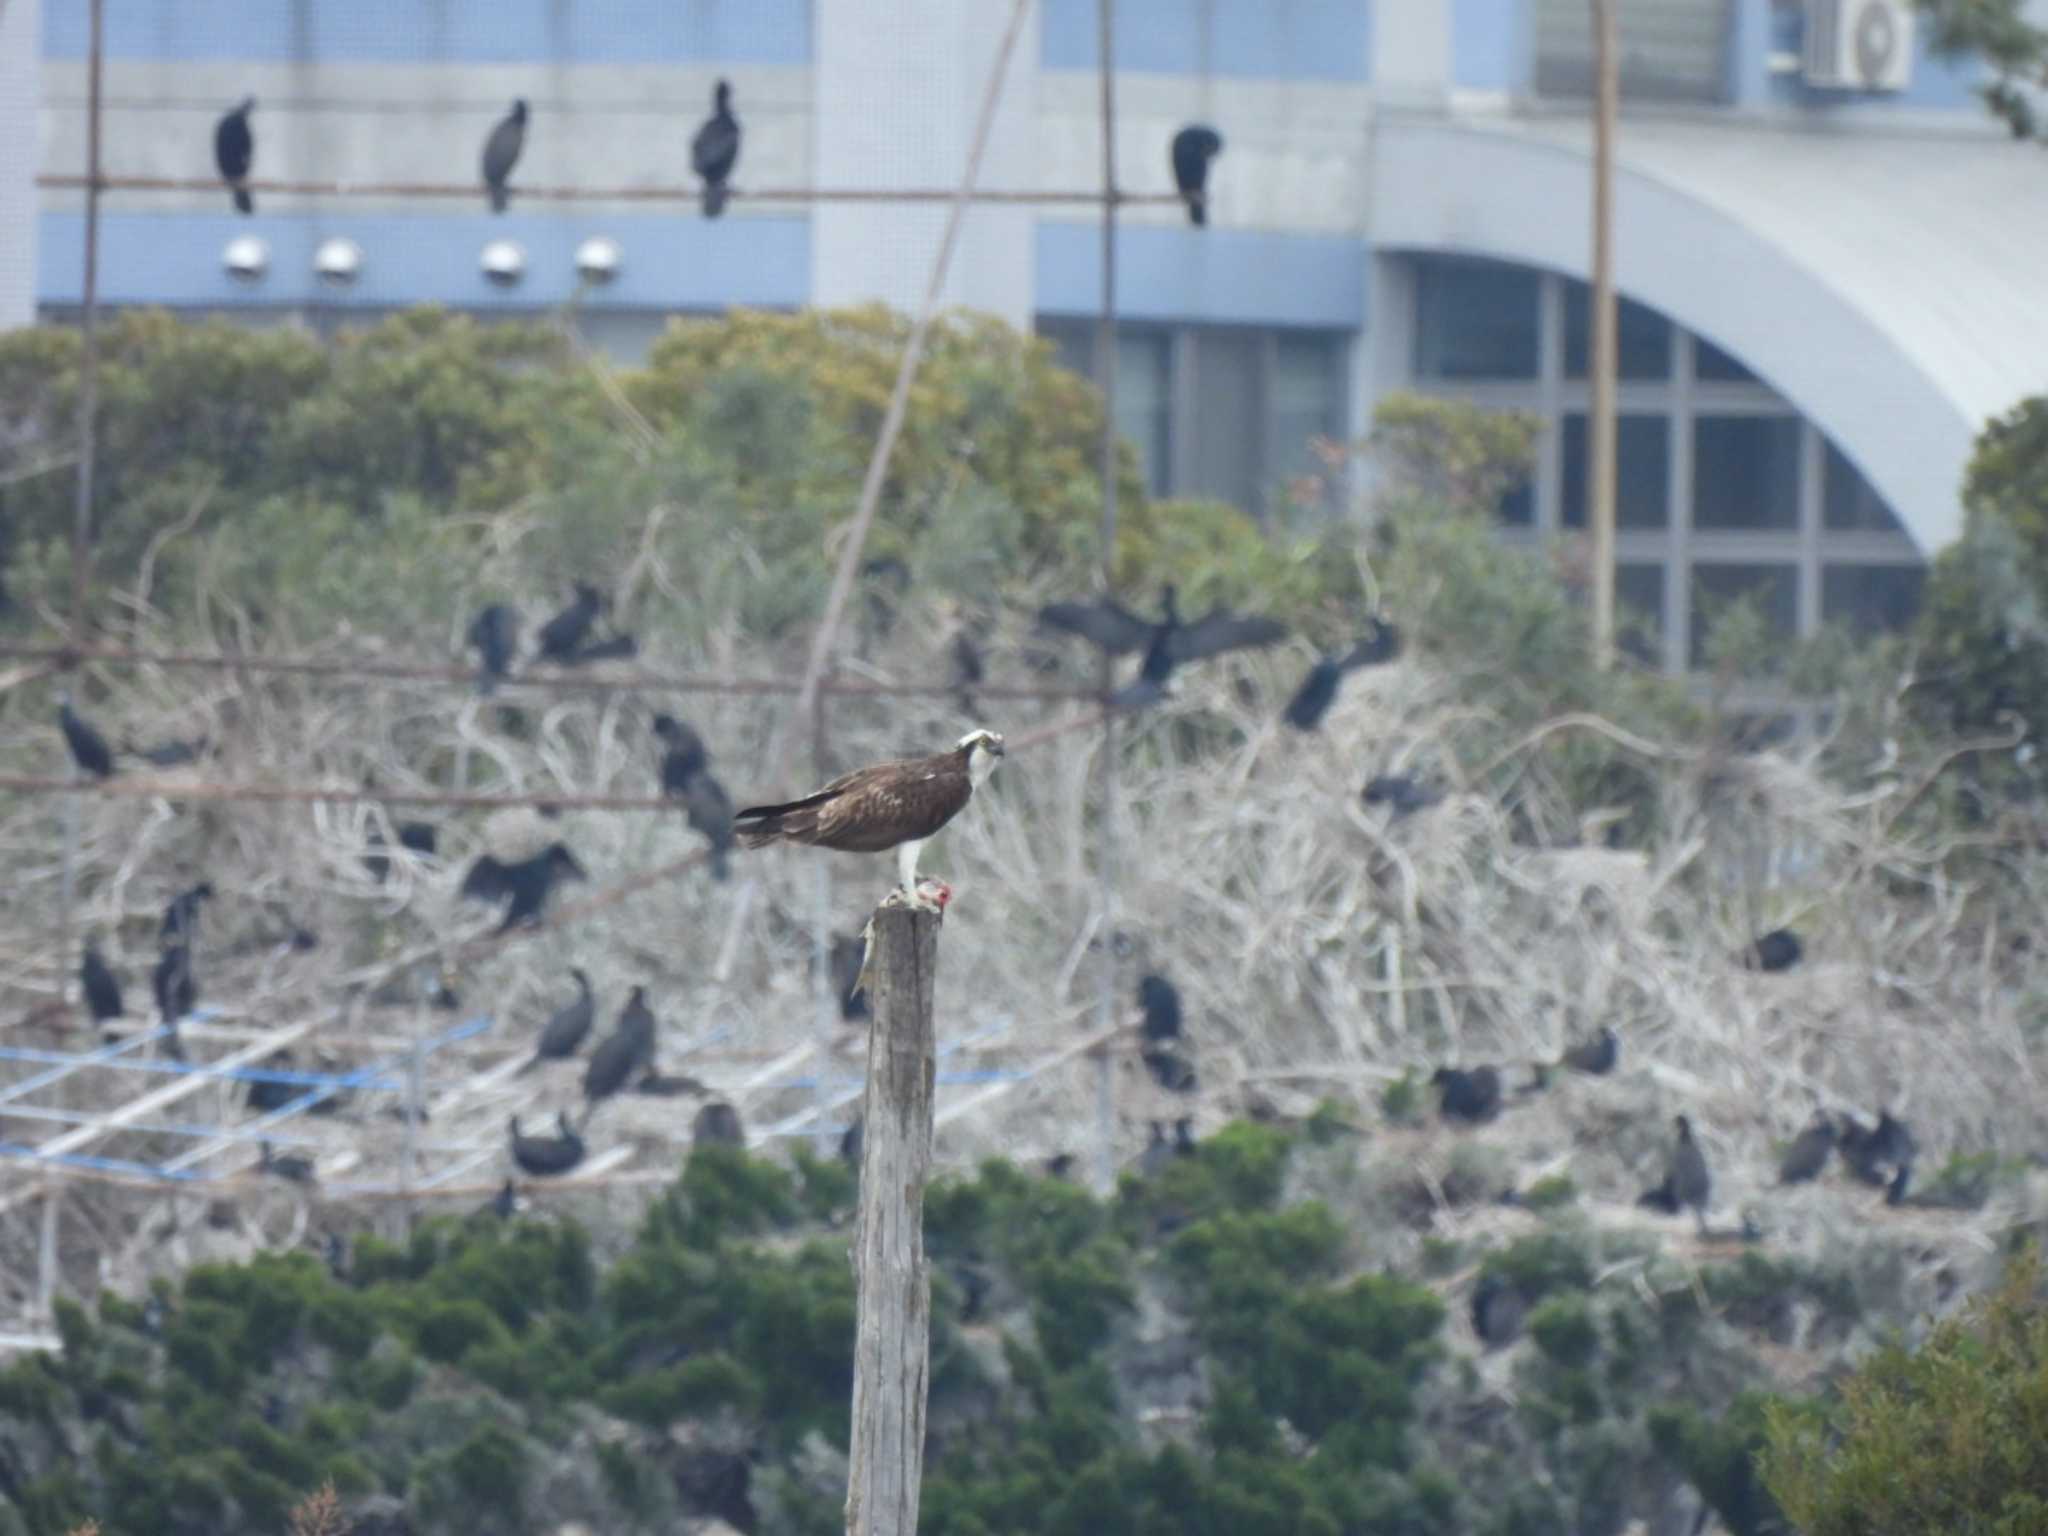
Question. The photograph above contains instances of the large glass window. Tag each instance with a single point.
(1671, 50)
(1713, 366)
(1868, 598)
(1227, 439)
(1716, 588)
(1642, 463)
(1642, 336)
(1475, 320)
(1144, 401)
(1745, 472)
(1308, 397)
(1850, 502)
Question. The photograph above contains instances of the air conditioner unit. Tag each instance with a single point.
(1859, 45)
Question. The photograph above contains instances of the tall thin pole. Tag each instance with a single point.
(1105, 373)
(1603, 362)
(88, 417)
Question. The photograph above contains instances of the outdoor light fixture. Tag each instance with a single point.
(246, 258)
(597, 259)
(338, 261)
(504, 263)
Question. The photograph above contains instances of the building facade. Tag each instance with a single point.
(1828, 253)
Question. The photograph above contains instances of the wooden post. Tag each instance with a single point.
(892, 1336)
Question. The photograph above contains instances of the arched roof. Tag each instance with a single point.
(1894, 289)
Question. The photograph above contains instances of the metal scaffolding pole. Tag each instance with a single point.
(1603, 363)
(1105, 372)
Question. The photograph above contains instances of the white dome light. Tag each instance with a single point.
(246, 257)
(504, 263)
(597, 259)
(338, 261)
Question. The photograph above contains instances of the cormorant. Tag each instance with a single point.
(180, 922)
(626, 1050)
(716, 149)
(685, 756)
(1400, 792)
(177, 990)
(850, 1141)
(717, 1124)
(1184, 1137)
(545, 1156)
(1596, 1056)
(1318, 690)
(505, 1204)
(234, 151)
(419, 836)
(265, 1096)
(494, 635)
(1778, 950)
(528, 883)
(561, 638)
(709, 809)
(968, 668)
(501, 153)
(1497, 1310)
(666, 1085)
(1685, 1176)
(1171, 1070)
(1161, 1001)
(1873, 1155)
(96, 979)
(1115, 630)
(562, 1033)
(1059, 1166)
(88, 747)
(1808, 1155)
(1193, 148)
(298, 1169)
(1467, 1095)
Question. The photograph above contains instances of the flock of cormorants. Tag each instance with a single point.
(714, 151)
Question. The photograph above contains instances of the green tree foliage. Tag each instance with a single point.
(2012, 47)
(1948, 1440)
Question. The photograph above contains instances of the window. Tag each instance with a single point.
(1227, 428)
(1518, 506)
(1642, 481)
(1475, 320)
(1868, 598)
(1711, 365)
(1671, 50)
(1745, 472)
(1774, 589)
(1308, 396)
(1144, 401)
(1850, 502)
(1639, 612)
(1642, 336)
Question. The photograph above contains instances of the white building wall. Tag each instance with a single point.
(20, 154)
(899, 89)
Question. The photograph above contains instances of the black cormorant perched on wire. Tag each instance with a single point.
(1161, 1001)
(89, 748)
(628, 1049)
(528, 883)
(561, 638)
(546, 1156)
(1318, 690)
(564, 1032)
(298, 1169)
(684, 757)
(1115, 630)
(177, 990)
(1778, 950)
(717, 1124)
(716, 149)
(1686, 1178)
(1596, 1056)
(686, 776)
(494, 635)
(234, 152)
(1193, 148)
(96, 979)
(1808, 1155)
(501, 153)
(1874, 1155)
(265, 1095)
(1467, 1095)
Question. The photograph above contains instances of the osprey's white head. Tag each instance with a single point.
(984, 750)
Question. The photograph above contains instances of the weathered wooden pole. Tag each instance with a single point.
(892, 1333)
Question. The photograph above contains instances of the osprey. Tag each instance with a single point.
(896, 805)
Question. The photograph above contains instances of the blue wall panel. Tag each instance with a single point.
(1259, 39)
(175, 259)
(1226, 276)
(1492, 45)
(436, 31)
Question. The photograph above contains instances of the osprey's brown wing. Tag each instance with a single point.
(867, 811)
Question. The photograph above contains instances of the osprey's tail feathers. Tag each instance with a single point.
(759, 825)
